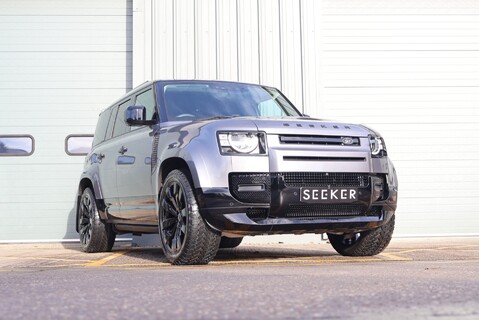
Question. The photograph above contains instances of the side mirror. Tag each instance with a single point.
(136, 116)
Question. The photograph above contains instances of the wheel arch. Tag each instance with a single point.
(170, 164)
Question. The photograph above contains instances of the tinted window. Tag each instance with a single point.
(111, 124)
(16, 145)
(147, 99)
(202, 99)
(76, 145)
(101, 127)
(121, 126)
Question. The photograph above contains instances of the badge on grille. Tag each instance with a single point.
(347, 141)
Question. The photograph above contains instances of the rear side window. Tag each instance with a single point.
(16, 145)
(111, 125)
(101, 127)
(78, 144)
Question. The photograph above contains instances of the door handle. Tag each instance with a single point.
(122, 150)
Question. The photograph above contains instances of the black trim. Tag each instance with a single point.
(285, 213)
(349, 159)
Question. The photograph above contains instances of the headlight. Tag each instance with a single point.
(242, 142)
(378, 147)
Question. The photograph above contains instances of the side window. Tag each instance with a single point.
(101, 127)
(147, 99)
(16, 145)
(121, 127)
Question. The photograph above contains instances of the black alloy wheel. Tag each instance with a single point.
(185, 238)
(174, 220)
(95, 234)
(85, 219)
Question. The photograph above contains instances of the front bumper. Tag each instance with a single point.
(277, 208)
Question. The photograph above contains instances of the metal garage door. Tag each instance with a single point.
(61, 62)
(411, 70)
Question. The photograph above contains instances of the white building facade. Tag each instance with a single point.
(409, 69)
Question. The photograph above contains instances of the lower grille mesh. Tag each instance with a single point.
(324, 179)
(324, 210)
(257, 214)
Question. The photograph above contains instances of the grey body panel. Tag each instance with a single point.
(197, 144)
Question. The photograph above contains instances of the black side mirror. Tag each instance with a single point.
(136, 116)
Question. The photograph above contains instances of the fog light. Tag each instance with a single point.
(378, 188)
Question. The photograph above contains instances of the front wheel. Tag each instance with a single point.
(366, 243)
(95, 234)
(184, 236)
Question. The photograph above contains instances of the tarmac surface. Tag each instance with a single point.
(427, 278)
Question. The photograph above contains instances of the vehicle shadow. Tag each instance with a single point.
(71, 234)
(243, 254)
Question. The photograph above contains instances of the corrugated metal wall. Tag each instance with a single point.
(408, 68)
(265, 41)
(61, 62)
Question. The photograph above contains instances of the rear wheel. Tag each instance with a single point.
(184, 236)
(230, 242)
(366, 243)
(95, 234)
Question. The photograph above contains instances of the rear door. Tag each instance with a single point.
(104, 157)
(109, 153)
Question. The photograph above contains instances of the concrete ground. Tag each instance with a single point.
(418, 278)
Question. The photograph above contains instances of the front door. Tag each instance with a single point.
(134, 173)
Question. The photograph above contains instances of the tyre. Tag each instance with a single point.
(230, 242)
(95, 234)
(366, 243)
(184, 236)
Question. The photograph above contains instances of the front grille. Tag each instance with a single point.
(257, 214)
(302, 158)
(325, 179)
(237, 180)
(319, 140)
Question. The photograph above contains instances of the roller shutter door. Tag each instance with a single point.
(410, 69)
(61, 62)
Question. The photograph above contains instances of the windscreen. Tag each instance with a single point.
(197, 100)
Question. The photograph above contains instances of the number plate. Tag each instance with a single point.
(318, 195)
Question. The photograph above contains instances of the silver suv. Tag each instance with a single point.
(205, 163)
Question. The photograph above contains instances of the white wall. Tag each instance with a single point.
(408, 68)
(61, 62)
